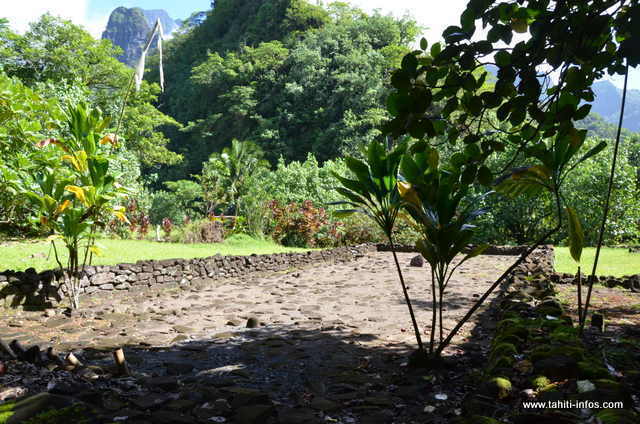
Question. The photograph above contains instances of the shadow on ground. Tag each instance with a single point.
(276, 374)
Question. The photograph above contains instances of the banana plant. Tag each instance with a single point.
(433, 195)
(75, 195)
(374, 192)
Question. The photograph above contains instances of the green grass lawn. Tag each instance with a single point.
(39, 255)
(613, 261)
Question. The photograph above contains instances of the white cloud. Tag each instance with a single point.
(435, 16)
(22, 12)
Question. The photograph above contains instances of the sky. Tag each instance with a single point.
(433, 16)
(92, 14)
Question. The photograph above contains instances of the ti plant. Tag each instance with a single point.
(434, 196)
(75, 195)
(374, 192)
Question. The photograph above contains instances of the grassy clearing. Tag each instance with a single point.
(38, 253)
(613, 261)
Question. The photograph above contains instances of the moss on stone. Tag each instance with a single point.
(75, 414)
(518, 331)
(540, 382)
(563, 333)
(503, 349)
(551, 387)
(549, 306)
(501, 363)
(543, 352)
(590, 370)
(618, 416)
(540, 352)
(498, 387)
(509, 338)
(44, 408)
(510, 323)
(574, 352)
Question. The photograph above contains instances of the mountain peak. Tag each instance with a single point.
(168, 24)
(128, 29)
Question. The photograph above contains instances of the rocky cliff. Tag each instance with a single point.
(128, 29)
(168, 24)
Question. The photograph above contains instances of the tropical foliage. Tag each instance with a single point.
(74, 192)
(317, 86)
(75, 67)
(441, 96)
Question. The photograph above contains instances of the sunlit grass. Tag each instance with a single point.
(613, 261)
(39, 254)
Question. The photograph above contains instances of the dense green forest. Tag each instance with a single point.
(291, 77)
(262, 101)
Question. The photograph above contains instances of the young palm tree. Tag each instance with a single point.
(374, 192)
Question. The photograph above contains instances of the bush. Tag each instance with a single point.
(184, 200)
(165, 205)
(200, 231)
(525, 219)
(358, 229)
(296, 182)
(586, 188)
(404, 233)
(302, 225)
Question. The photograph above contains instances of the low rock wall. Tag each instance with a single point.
(631, 282)
(541, 261)
(30, 289)
(491, 250)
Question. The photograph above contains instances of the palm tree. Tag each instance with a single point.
(224, 176)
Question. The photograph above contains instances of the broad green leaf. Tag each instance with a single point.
(485, 177)
(503, 58)
(436, 49)
(410, 63)
(576, 234)
(594, 151)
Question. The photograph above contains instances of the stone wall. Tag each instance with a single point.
(33, 290)
(491, 250)
(631, 282)
(541, 261)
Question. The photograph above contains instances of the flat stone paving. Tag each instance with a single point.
(327, 330)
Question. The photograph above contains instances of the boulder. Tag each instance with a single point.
(253, 322)
(417, 261)
(498, 388)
